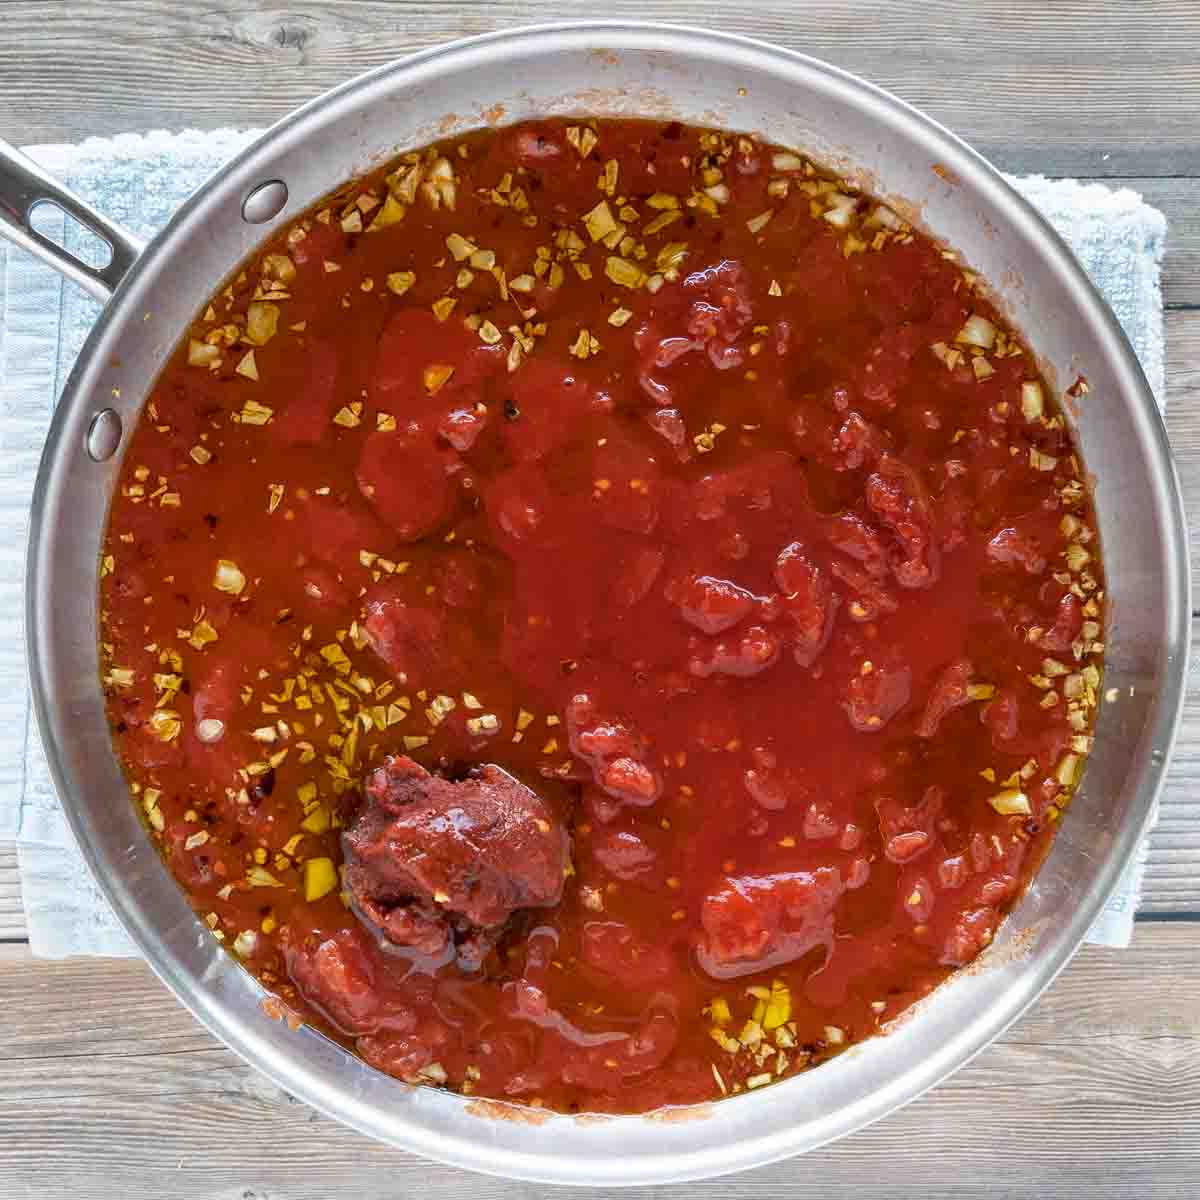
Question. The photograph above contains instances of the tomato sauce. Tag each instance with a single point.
(602, 615)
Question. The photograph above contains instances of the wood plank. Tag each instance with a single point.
(1179, 200)
(1183, 418)
(12, 915)
(1172, 882)
(1033, 85)
(136, 1093)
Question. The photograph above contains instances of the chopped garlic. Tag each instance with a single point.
(229, 578)
(1011, 802)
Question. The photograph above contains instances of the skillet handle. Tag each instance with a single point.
(24, 185)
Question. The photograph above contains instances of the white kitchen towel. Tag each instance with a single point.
(139, 180)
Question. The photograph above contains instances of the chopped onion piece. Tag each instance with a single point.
(434, 1072)
(320, 878)
(391, 213)
(1067, 770)
(262, 320)
(622, 271)
(210, 730)
(245, 943)
(248, 366)
(787, 161)
(600, 222)
(1077, 557)
(201, 354)
(460, 247)
(228, 578)
(279, 267)
(165, 724)
(1032, 403)
(1011, 802)
(978, 331)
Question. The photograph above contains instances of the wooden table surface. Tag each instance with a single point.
(108, 1087)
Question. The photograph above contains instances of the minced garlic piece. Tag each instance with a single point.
(399, 282)
(1011, 802)
(585, 344)
(660, 222)
(165, 724)
(201, 354)
(600, 222)
(248, 367)
(978, 331)
(229, 578)
(245, 944)
(279, 267)
(759, 223)
(391, 213)
(435, 376)
(460, 247)
(262, 322)
(200, 635)
(317, 821)
(253, 413)
(622, 271)
(1033, 406)
(583, 139)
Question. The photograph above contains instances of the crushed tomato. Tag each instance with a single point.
(602, 615)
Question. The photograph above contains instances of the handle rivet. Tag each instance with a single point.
(103, 435)
(264, 202)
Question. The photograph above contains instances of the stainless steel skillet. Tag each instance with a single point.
(662, 72)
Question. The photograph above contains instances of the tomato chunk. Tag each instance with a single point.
(754, 922)
(407, 483)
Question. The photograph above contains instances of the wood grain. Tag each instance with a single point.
(1179, 200)
(1183, 419)
(1032, 85)
(100, 1067)
(12, 916)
